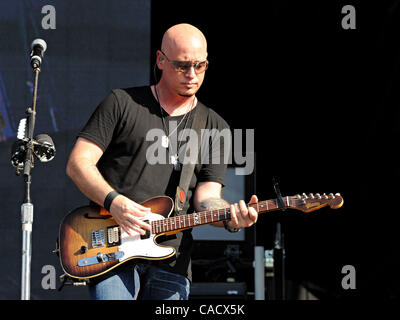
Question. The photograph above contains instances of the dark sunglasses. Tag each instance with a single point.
(184, 66)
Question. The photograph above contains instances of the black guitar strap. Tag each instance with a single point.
(199, 122)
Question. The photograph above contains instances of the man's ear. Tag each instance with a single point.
(160, 60)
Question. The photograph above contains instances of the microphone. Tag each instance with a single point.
(44, 148)
(38, 47)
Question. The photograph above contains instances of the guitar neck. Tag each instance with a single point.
(211, 216)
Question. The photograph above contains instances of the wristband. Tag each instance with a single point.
(229, 228)
(109, 199)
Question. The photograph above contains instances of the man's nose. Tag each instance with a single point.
(190, 73)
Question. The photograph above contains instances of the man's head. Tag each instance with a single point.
(183, 59)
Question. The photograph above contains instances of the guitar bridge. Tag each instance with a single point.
(98, 238)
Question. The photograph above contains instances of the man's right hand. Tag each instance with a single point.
(128, 214)
(82, 169)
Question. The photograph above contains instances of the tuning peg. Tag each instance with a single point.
(332, 196)
(298, 196)
(318, 195)
(305, 196)
(337, 194)
(325, 196)
(312, 196)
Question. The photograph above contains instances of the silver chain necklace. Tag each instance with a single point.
(165, 139)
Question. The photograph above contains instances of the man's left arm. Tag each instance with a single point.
(208, 196)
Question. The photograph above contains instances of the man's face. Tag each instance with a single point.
(180, 80)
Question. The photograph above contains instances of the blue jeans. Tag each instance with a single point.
(142, 282)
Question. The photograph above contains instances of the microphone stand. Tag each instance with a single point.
(27, 206)
(279, 251)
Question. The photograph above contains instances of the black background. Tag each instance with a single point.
(323, 102)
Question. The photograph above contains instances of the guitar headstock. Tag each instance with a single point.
(312, 202)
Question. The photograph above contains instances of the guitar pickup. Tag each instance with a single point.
(113, 236)
(147, 234)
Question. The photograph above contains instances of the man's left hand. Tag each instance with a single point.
(243, 216)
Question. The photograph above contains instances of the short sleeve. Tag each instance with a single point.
(215, 150)
(102, 123)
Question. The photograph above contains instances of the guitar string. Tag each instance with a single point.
(220, 213)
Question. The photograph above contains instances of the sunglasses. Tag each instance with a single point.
(185, 66)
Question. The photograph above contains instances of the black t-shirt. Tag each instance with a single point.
(122, 126)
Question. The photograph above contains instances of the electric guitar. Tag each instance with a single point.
(91, 243)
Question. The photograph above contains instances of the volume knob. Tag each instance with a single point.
(101, 257)
(84, 249)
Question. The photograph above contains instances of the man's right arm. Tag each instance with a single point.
(83, 171)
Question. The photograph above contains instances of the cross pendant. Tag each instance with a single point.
(164, 141)
(175, 161)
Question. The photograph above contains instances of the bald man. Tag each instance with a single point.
(112, 166)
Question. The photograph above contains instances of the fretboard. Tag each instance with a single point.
(211, 216)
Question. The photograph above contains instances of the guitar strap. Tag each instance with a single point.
(199, 122)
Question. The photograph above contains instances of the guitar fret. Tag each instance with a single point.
(222, 214)
(212, 216)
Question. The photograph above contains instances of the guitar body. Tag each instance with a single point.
(92, 244)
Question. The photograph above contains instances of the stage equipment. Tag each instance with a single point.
(22, 158)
